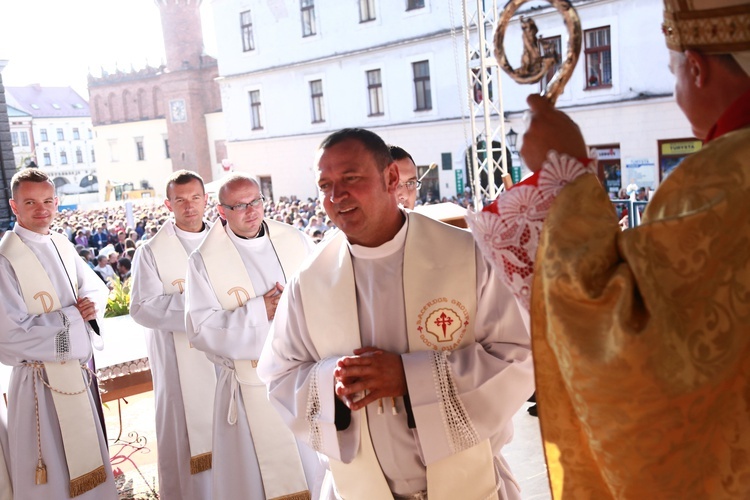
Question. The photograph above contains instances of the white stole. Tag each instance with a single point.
(70, 392)
(275, 446)
(440, 303)
(196, 371)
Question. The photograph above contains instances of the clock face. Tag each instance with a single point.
(177, 110)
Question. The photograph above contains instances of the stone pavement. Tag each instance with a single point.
(139, 479)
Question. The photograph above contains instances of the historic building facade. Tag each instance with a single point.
(292, 71)
(50, 127)
(154, 121)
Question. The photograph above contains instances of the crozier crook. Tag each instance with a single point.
(534, 65)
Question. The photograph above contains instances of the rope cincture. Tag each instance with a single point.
(38, 367)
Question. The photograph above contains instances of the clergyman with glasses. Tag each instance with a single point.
(408, 184)
(234, 282)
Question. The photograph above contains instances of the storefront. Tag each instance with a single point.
(673, 151)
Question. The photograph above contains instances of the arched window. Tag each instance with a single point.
(125, 105)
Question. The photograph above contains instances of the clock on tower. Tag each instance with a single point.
(177, 110)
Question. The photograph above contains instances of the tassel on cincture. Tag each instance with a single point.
(41, 473)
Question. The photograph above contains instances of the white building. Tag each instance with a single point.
(293, 71)
(61, 137)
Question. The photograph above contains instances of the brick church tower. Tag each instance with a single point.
(183, 85)
(130, 110)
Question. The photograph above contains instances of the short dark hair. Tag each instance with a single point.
(398, 153)
(124, 262)
(181, 177)
(370, 140)
(28, 175)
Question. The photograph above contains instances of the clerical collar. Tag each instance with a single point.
(261, 233)
(736, 116)
(187, 235)
(28, 234)
(384, 250)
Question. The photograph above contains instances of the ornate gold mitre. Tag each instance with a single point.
(711, 26)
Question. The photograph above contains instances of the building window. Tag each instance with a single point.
(552, 47)
(422, 94)
(598, 58)
(79, 156)
(414, 4)
(63, 157)
(255, 109)
(316, 100)
(93, 157)
(24, 138)
(76, 135)
(47, 159)
(375, 92)
(14, 138)
(43, 134)
(91, 134)
(60, 135)
(166, 148)
(139, 149)
(246, 24)
(366, 10)
(307, 8)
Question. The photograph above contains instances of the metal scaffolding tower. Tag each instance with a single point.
(488, 154)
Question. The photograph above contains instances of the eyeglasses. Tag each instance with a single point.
(409, 185)
(243, 206)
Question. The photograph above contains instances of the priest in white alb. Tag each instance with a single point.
(6, 489)
(396, 353)
(49, 297)
(184, 378)
(235, 279)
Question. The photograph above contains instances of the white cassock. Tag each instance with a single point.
(163, 314)
(239, 334)
(493, 377)
(32, 337)
(6, 490)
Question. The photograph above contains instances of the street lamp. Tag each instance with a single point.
(515, 170)
(512, 137)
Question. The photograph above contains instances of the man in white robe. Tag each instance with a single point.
(162, 314)
(227, 336)
(422, 406)
(27, 340)
(6, 489)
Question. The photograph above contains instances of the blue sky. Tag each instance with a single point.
(55, 42)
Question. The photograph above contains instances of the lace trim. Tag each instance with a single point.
(62, 340)
(509, 238)
(313, 410)
(458, 426)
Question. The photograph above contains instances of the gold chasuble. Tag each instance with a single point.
(641, 338)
